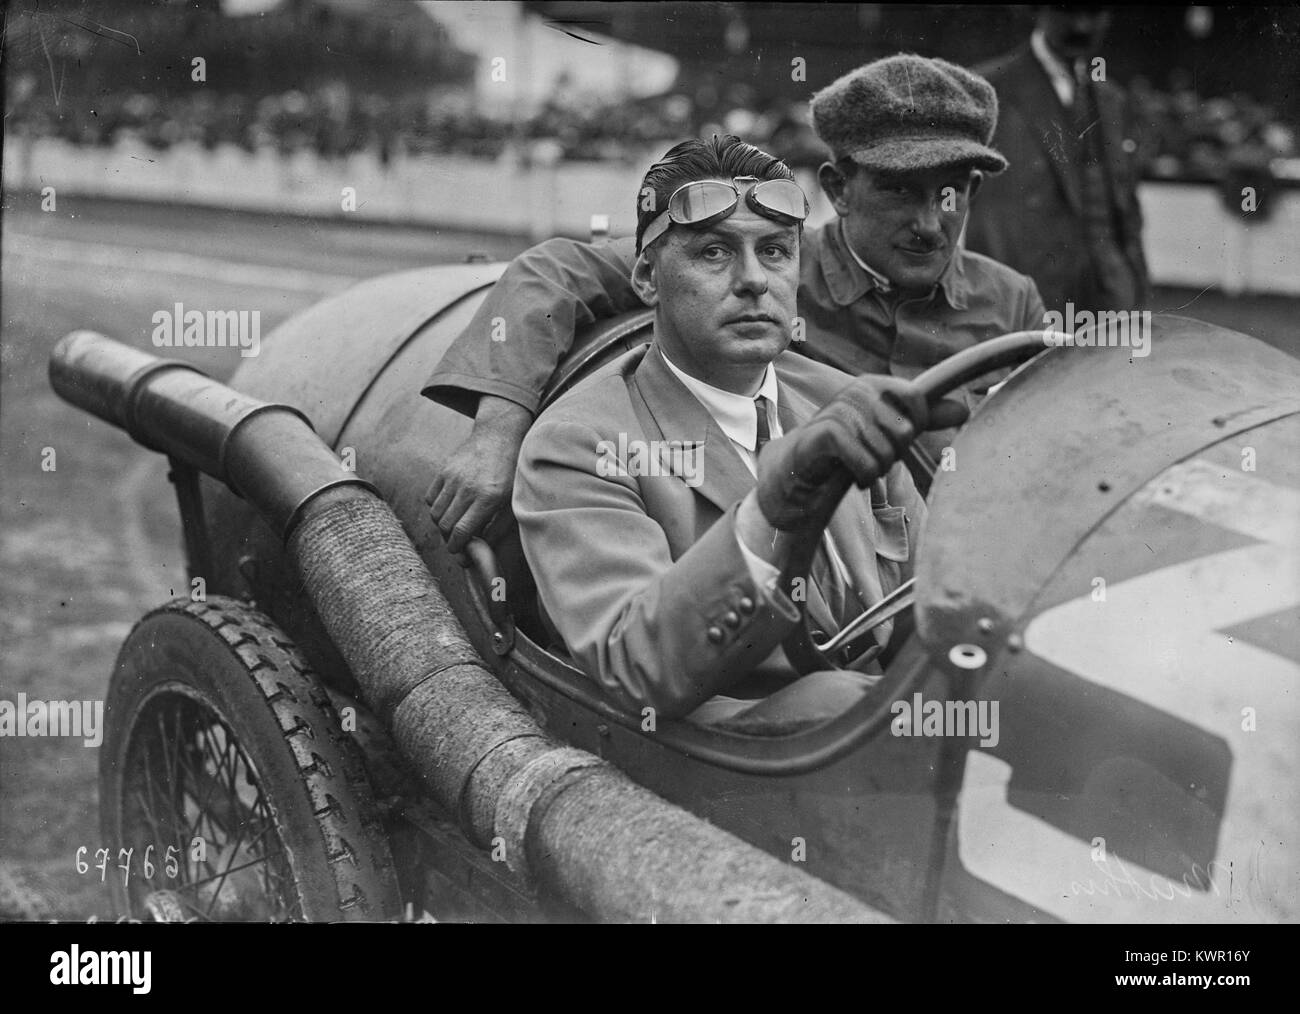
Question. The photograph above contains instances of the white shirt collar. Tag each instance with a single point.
(882, 283)
(1058, 71)
(734, 413)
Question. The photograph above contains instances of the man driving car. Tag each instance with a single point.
(662, 502)
(884, 288)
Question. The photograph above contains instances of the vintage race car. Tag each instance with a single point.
(1094, 717)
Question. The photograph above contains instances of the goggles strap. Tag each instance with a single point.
(657, 227)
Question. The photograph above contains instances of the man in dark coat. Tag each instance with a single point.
(1067, 213)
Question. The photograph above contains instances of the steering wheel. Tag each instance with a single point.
(808, 654)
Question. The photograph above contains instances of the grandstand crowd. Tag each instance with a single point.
(1182, 135)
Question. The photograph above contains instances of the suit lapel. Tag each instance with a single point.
(678, 416)
(792, 408)
(1110, 113)
(1030, 89)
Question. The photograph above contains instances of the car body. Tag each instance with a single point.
(1107, 581)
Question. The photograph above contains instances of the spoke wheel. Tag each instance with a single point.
(228, 789)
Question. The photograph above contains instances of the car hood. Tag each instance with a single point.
(1070, 439)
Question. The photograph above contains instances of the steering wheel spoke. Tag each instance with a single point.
(886, 609)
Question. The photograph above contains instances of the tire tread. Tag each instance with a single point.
(328, 761)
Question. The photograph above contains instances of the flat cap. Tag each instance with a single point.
(909, 112)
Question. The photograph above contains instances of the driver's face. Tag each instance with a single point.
(724, 295)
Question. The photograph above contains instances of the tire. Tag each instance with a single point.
(222, 752)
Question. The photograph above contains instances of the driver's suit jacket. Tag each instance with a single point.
(642, 574)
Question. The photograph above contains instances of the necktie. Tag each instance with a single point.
(764, 432)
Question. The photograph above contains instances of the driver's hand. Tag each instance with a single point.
(476, 481)
(853, 440)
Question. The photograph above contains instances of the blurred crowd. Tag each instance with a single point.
(1187, 137)
(1184, 136)
(331, 120)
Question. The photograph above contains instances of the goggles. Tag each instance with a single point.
(700, 204)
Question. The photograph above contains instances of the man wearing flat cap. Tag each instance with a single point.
(884, 288)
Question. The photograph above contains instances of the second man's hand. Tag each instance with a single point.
(476, 481)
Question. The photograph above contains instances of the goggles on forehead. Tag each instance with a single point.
(700, 204)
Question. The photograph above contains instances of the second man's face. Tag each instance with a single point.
(726, 295)
(905, 225)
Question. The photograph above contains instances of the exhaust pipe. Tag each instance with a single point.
(571, 824)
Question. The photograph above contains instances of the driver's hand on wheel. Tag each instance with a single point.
(476, 481)
(854, 439)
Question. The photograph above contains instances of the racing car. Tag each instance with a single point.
(1092, 716)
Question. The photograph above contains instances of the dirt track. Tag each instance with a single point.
(87, 548)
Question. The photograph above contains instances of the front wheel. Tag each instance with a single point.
(228, 788)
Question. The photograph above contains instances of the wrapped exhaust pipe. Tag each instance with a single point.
(573, 825)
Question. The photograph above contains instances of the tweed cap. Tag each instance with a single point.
(909, 112)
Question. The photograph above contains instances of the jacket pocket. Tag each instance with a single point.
(891, 534)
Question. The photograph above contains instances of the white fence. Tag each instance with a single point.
(448, 191)
(1191, 237)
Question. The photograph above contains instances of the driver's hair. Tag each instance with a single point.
(724, 157)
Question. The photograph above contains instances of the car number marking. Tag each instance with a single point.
(1156, 639)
